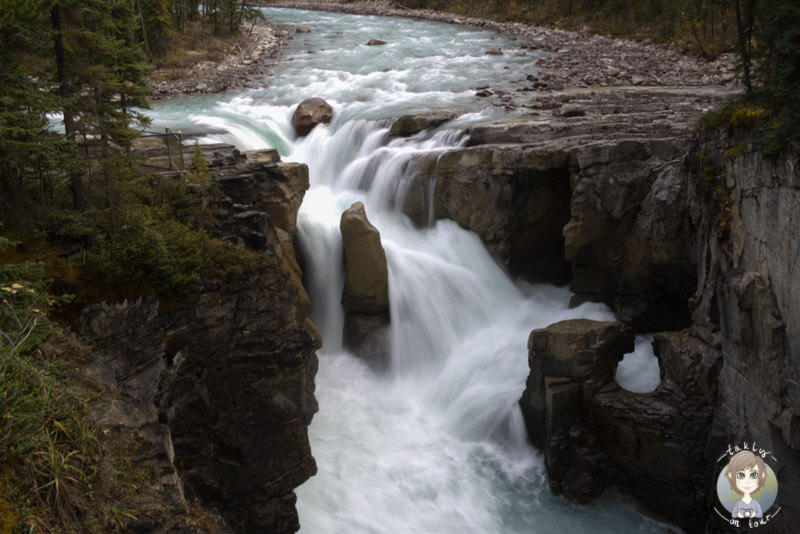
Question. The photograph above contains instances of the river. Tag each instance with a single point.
(436, 444)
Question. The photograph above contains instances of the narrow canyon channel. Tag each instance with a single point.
(436, 443)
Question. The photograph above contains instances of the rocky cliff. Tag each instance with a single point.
(227, 372)
(746, 209)
(585, 190)
(689, 233)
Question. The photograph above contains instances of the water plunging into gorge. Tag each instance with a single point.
(437, 443)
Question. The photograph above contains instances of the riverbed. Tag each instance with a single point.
(435, 444)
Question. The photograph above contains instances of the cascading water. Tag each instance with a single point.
(436, 444)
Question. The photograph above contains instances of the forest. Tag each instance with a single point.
(73, 87)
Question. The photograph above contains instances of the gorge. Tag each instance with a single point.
(481, 207)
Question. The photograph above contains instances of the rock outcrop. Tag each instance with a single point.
(264, 196)
(309, 113)
(229, 370)
(745, 208)
(594, 199)
(594, 434)
(365, 297)
(414, 123)
(719, 219)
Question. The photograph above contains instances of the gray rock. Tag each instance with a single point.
(237, 354)
(268, 155)
(129, 413)
(367, 336)
(571, 110)
(309, 113)
(412, 124)
(594, 434)
(366, 287)
(303, 29)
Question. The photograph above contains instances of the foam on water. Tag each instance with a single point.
(436, 444)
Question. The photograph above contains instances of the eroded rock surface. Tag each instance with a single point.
(594, 199)
(366, 286)
(414, 123)
(747, 211)
(595, 434)
(365, 297)
(229, 369)
(309, 113)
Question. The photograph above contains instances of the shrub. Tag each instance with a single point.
(48, 451)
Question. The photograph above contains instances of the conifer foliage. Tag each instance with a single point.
(79, 59)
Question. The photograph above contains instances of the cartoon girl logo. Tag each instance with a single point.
(746, 474)
(747, 487)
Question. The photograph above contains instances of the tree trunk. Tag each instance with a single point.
(65, 92)
(743, 49)
(144, 30)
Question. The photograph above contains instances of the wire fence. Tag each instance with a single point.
(173, 142)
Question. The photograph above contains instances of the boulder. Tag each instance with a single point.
(494, 52)
(366, 287)
(579, 350)
(375, 42)
(572, 110)
(303, 29)
(413, 124)
(309, 113)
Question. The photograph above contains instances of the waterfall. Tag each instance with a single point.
(435, 444)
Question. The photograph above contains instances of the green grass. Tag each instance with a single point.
(49, 453)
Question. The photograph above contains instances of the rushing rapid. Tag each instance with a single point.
(436, 444)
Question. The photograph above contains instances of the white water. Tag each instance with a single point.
(437, 444)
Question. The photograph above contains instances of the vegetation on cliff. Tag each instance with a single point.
(72, 86)
(49, 454)
(704, 26)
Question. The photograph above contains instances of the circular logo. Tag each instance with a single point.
(747, 486)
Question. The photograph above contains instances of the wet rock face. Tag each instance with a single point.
(365, 297)
(238, 399)
(408, 125)
(583, 351)
(746, 303)
(590, 191)
(366, 286)
(515, 198)
(594, 434)
(629, 240)
(230, 371)
(309, 113)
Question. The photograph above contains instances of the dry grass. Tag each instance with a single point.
(189, 48)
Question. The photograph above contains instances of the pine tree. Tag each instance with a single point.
(29, 151)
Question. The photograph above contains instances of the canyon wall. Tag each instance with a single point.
(682, 231)
(229, 369)
(746, 209)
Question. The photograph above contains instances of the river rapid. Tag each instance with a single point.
(436, 444)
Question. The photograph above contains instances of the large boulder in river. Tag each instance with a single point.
(366, 286)
(366, 289)
(309, 113)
